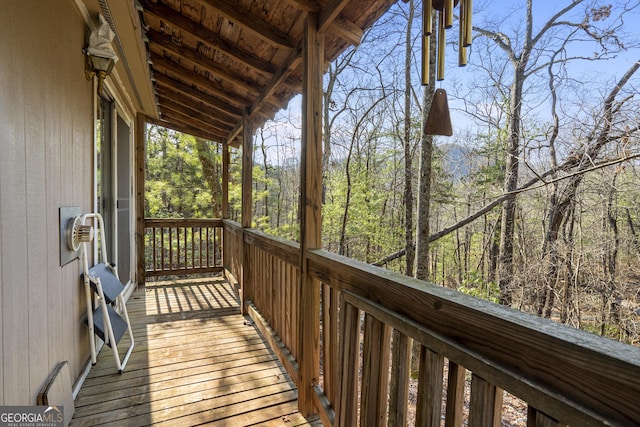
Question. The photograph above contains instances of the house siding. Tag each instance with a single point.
(46, 161)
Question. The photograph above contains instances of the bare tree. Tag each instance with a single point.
(526, 53)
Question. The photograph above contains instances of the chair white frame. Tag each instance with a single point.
(120, 303)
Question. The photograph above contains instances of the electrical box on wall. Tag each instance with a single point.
(67, 216)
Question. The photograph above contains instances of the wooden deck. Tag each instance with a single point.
(195, 362)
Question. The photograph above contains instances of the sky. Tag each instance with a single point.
(506, 16)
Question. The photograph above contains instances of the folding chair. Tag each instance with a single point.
(108, 319)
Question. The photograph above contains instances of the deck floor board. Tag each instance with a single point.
(195, 362)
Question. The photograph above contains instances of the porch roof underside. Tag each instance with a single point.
(213, 60)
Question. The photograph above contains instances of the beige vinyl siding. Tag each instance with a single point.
(46, 161)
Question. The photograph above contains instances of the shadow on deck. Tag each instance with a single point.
(195, 362)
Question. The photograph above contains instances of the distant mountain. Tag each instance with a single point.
(459, 161)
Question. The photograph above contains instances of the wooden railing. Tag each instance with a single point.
(566, 376)
(177, 246)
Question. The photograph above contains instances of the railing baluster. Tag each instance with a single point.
(206, 246)
(455, 395)
(178, 255)
(178, 260)
(375, 372)
(486, 403)
(170, 248)
(447, 325)
(193, 248)
(329, 344)
(200, 240)
(401, 371)
(536, 418)
(155, 253)
(162, 248)
(429, 406)
(346, 401)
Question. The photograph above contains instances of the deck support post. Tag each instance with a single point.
(139, 168)
(225, 204)
(247, 198)
(225, 181)
(310, 213)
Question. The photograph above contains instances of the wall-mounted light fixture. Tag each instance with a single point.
(100, 57)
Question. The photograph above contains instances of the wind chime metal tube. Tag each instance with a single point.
(466, 17)
(427, 12)
(442, 40)
(448, 14)
(462, 49)
(439, 121)
(426, 39)
(444, 21)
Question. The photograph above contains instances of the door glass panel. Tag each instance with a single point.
(104, 172)
(123, 202)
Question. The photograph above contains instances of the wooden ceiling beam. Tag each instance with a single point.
(180, 105)
(232, 111)
(194, 102)
(292, 62)
(201, 33)
(160, 63)
(181, 118)
(189, 130)
(252, 23)
(345, 29)
(209, 121)
(309, 6)
(203, 61)
(329, 13)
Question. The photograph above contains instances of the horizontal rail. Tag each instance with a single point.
(565, 376)
(179, 246)
(570, 375)
(183, 222)
(284, 250)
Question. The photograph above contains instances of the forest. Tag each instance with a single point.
(534, 201)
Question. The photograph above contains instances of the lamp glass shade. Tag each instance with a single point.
(100, 63)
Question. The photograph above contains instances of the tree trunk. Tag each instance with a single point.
(212, 173)
(424, 174)
(507, 230)
(408, 167)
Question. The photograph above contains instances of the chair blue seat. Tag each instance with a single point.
(118, 325)
(111, 286)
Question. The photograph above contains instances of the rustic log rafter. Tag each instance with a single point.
(204, 62)
(182, 127)
(207, 37)
(325, 19)
(252, 23)
(191, 96)
(185, 94)
(344, 28)
(292, 63)
(224, 108)
(199, 115)
(164, 64)
(329, 13)
(171, 115)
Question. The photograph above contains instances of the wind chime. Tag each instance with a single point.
(439, 120)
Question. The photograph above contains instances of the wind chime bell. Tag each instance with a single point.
(439, 119)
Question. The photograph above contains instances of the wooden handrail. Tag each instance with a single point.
(176, 246)
(566, 376)
(183, 222)
(574, 376)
